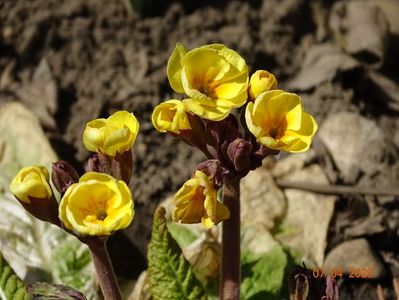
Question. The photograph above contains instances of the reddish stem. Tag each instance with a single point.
(230, 269)
(105, 272)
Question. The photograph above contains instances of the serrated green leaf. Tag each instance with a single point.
(11, 287)
(26, 242)
(170, 275)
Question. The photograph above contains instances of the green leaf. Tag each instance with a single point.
(263, 278)
(11, 287)
(72, 265)
(181, 234)
(170, 275)
(31, 245)
(46, 291)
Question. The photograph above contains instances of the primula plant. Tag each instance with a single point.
(234, 120)
(93, 206)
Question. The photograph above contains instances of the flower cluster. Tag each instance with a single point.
(214, 81)
(99, 202)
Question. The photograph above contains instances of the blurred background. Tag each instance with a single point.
(68, 62)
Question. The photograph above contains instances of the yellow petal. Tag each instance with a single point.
(123, 118)
(204, 63)
(308, 126)
(230, 56)
(286, 105)
(174, 68)
(222, 212)
(253, 120)
(206, 112)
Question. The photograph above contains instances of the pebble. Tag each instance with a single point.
(356, 259)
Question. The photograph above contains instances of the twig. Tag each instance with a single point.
(395, 282)
(380, 292)
(336, 189)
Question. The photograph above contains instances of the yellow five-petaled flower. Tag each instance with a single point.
(196, 202)
(214, 77)
(97, 205)
(278, 121)
(113, 135)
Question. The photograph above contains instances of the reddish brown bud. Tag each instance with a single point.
(120, 166)
(239, 152)
(222, 131)
(213, 169)
(331, 289)
(93, 164)
(63, 175)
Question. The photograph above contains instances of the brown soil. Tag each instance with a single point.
(104, 59)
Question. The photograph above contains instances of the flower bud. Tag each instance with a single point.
(63, 175)
(261, 81)
(32, 189)
(222, 131)
(214, 170)
(300, 290)
(239, 152)
(119, 166)
(331, 289)
(196, 136)
(93, 164)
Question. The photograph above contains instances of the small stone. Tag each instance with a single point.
(357, 145)
(305, 224)
(356, 259)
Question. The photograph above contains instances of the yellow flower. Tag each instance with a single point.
(196, 202)
(214, 77)
(261, 81)
(278, 121)
(97, 205)
(112, 135)
(31, 182)
(170, 116)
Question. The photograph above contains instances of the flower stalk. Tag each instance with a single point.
(105, 272)
(230, 254)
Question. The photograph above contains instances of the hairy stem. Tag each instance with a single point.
(230, 269)
(105, 272)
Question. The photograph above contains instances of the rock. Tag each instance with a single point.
(355, 258)
(22, 140)
(40, 95)
(362, 30)
(262, 202)
(305, 224)
(385, 88)
(321, 64)
(355, 143)
(141, 289)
